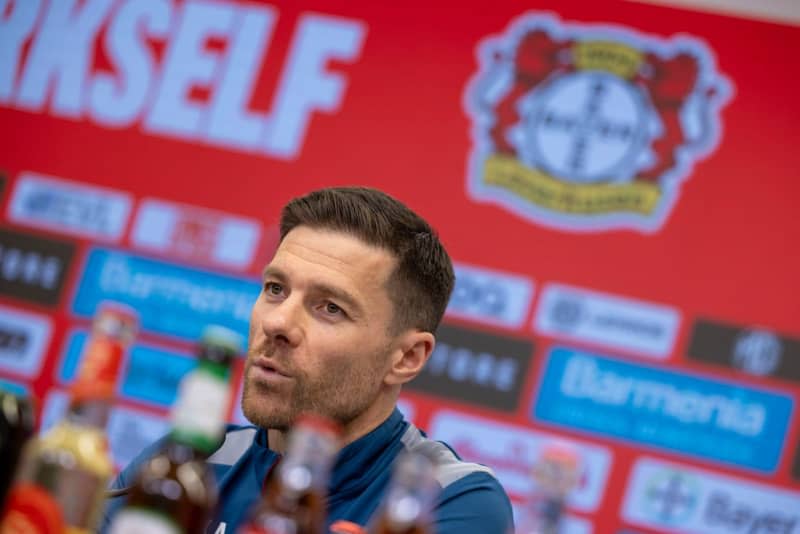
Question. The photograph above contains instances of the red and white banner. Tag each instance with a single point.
(615, 181)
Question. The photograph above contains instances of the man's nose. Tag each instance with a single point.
(283, 321)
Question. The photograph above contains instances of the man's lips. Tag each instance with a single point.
(268, 366)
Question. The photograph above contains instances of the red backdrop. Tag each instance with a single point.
(401, 98)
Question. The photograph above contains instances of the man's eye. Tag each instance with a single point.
(332, 308)
(273, 288)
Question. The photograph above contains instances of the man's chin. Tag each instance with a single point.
(267, 416)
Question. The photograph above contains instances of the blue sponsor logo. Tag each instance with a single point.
(674, 411)
(13, 387)
(151, 375)
(171, 299)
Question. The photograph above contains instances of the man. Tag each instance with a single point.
(346, 316)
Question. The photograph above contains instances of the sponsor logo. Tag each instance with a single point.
(677, 412)
(476, 368)
(68, 207)
(678, 498)
(569, 524)
(195, 234)
(129, 431)
(611, 321)
(151, 375)
(13, 387)
(512, 452)
(33, 268)
(489, 296)
(755, 351)
(155, 91)
(671, 496)
(24, 338)
(590, 127)
(171, 299)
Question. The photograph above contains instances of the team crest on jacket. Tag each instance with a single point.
(590, 127)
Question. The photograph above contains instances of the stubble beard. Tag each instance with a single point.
(342, 391)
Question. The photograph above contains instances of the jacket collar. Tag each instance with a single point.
(368, 457)
(361, 461)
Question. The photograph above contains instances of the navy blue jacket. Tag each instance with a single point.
(471, 501)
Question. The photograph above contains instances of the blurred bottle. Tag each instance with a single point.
(294, 496)
(175, 492)
(63, 474)
(411, 496)
(17, 423)
(555, 475)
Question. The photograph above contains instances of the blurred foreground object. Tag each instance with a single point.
(175, 491)
(295, 492)
(410, 498)
(17, 423)
(555, 474)
(61, 480)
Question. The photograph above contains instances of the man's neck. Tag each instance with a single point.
(359, 427)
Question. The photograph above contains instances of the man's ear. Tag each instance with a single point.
(413, 351)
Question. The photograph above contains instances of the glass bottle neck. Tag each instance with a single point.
(198, 417)
(92, 413)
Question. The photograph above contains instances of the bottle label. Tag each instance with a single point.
(137, 521)
(203, 401)
(99, 370)
(32, 510)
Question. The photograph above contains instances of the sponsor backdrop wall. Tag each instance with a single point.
(616, 182)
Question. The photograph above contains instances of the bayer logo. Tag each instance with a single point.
(671, 497)
(585, 127)
(757, 352)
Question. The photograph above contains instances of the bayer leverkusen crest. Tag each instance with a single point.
(590, 127)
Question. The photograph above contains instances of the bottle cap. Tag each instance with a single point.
(113, 330)
(220, 344)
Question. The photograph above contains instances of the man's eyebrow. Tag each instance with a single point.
(272, 272)
(319, 288)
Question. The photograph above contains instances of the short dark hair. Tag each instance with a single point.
(421, 284)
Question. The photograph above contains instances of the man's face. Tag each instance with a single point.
(319, 332)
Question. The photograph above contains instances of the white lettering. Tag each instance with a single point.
(117, 278)
(723, 511)
(117, 101)
(306, 86)
(194, 91)
(461, 364)
(188, 64)
(62, 51)
(229, 122)
(14, 29)
(29, 267)
(583, 379)
(221, 528)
